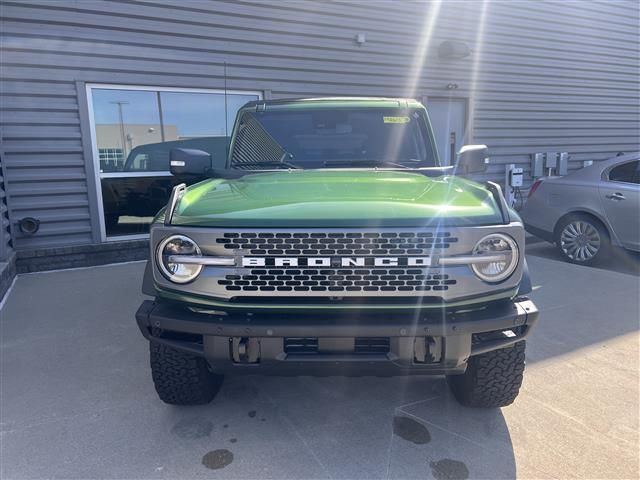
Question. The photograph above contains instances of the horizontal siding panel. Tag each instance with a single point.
(62, 36)
(331, 14)
(488, 110)
(46, 160)
(594, 135)
(37, 118)
(21, 174)
(63, 229)
(515, 63)
(609, 45)
(40, 104)
(40, 145)
(58, 215)
(30, 88)
(549, 98)
(42, 204)
(14, 132)
(46, 189)
(566, 141)
(593, 122)
(70, 66)
(608, 150)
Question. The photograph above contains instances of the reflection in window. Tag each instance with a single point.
(135, 131)
(190, 115)
(111, 158)
(193, 115)
(125, 119)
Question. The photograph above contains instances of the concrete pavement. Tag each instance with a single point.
(77, 400)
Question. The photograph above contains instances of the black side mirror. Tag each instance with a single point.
(188, 161)
(472, 159)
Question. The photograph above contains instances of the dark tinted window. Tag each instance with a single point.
(333, 138)
(627, 172)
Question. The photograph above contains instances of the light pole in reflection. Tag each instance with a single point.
(120, 103)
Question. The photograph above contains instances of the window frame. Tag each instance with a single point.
(608, 171)
(89, 87)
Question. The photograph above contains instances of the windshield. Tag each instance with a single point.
(333, 138)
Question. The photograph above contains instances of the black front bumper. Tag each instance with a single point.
(406, 342)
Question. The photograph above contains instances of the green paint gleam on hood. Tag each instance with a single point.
(333, 198)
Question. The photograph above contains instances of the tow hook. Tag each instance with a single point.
(245, 350)
(427, 350)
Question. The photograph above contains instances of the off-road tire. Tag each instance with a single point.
(180, 378)
(492, 379)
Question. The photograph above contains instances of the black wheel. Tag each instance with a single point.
(492, 379)
(180, 378)
(582, 239)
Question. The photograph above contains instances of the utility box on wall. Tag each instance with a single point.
(563, 163)
(553, 162)
(537, 165)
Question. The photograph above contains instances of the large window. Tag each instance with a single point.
(133, 130)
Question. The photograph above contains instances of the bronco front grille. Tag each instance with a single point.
(336, 243)
(337, 280)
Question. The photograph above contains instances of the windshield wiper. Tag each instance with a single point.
(375, 163)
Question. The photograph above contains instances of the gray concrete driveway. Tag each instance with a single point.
(77, 399)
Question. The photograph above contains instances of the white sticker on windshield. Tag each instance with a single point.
(396, 119)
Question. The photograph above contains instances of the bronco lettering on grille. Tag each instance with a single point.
(336, 261)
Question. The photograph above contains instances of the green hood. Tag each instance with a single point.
(336, 198)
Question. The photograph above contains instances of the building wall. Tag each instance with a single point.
(542, 76)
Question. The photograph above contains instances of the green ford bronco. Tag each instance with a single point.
(334, 242)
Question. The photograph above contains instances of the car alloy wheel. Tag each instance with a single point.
(580, 241)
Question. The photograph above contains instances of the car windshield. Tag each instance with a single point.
(333, 138)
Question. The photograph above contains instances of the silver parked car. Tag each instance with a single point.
(586, 212)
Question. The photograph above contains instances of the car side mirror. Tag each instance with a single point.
(472, 159)
(188, 161)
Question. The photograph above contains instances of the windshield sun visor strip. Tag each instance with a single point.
(496, 191)
(176, 193)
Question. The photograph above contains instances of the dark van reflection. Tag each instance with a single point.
(133, 196)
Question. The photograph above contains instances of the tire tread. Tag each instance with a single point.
(180, 378)
(492, 379)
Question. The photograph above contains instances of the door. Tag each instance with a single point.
(620, 196)
(448, 119)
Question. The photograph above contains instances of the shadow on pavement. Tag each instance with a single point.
(338, 427)
(580, 305)
(620, 260)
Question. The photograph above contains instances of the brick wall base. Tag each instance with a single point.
(81, 256)
(7, 274)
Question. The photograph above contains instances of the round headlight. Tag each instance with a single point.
(505, 249)
(175, 271)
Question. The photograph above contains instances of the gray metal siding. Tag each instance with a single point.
(5, 232)
(550, 76)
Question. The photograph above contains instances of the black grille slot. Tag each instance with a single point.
(371, 345)
(301, 345)
(362, 345)
(339, 279)
(338, 244)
